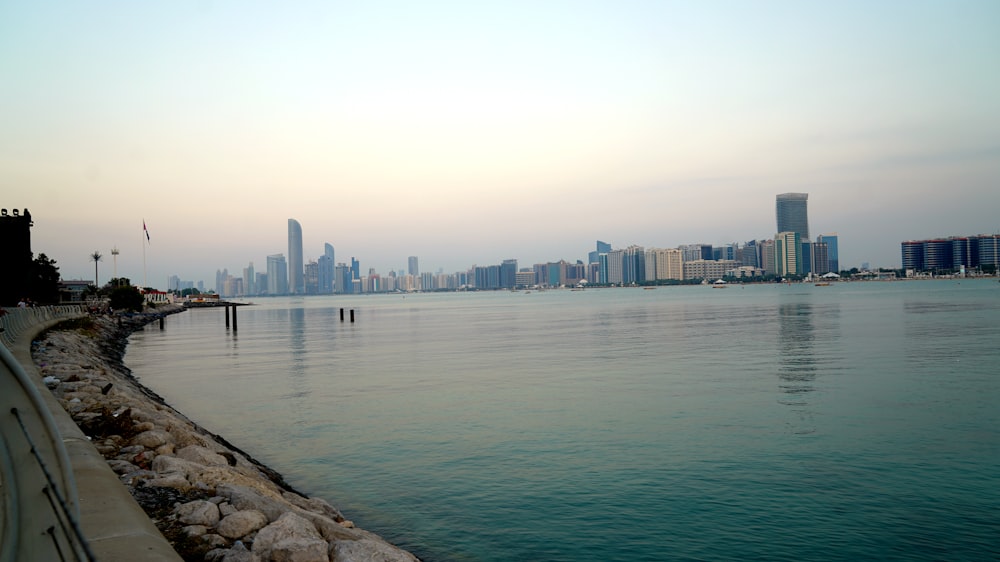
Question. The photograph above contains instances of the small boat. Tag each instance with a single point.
(823, 284)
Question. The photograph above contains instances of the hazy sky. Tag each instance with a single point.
(470, 132)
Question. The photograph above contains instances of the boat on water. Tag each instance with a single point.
(719, 284)
(823, 284)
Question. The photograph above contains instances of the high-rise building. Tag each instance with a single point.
(819, 253)
(326, 271)
(413, 266)
(277, 275)
(220, 280)
(508, 274)
(311, 278)
(296, 278)
(664, 264)
(767, 257)
(792, 213)
(832, 251)
(616, 262)
(342, 279)
(249, 280)
(989, 250)
(787, 254)
(634, 265)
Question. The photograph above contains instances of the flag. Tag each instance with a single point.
(144, 229)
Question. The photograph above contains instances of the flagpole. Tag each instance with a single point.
(144, 285)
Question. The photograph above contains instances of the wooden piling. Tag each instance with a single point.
(341, 314)
(227, 314)
(234, 317)
(352, 315)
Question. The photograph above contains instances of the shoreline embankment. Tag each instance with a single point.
(208, 498)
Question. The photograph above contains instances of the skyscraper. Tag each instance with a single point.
(792, 214)
(414, 267)
(832, 250)
(787, 254)
(277, 275)
(296, 280)
(326, 270)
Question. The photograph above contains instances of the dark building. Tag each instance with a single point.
(950, 254)
(792, 214)
(15, 255)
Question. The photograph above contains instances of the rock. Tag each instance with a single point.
(152, 439)
(202, 455)
(122, 467)
(367, 550)
(176, 481)
(195, 530)
(131, 450)
(241, 523)
(227, 509)
(213, 540)
(198, 512)
(166, 464)
(238, 553)
(246, 498)
(316, 505)
(143, 426)
(290, 539)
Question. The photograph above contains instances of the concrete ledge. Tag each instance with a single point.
(114, 525)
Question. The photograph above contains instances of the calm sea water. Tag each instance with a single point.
(856, 421)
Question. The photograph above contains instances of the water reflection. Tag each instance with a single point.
(797, 362)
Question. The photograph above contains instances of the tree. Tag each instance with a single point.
(126, 297)
(96, 256)
(44, 277)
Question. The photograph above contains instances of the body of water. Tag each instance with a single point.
(792, 422)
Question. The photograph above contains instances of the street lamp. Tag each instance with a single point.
(114, 253)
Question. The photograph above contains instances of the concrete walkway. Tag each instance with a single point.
(113, 524)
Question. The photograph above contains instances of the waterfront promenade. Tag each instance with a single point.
(59, 499)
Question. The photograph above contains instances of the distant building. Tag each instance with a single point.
(634, 265)
(277, 275)
(72, 291)
(820, 258)
(311, 278)
(616, 262)
(664, 263)
(709, 269)
(249, 280)
(296, 279)
(787, 254)
(792, 214)
(951, 254)
(832, 250)
(413, 267)
(508, 273)
(602, 248)
(342, 280)
(767, 257)
(326, 270)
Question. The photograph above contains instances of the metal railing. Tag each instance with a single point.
(39, 515)
(14, 321)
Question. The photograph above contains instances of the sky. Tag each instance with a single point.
(471, 132)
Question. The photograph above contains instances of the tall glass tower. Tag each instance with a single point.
(793, 214)
(296, 278)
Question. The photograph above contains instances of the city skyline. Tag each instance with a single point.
(473, 133)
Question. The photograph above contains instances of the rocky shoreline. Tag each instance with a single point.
(212, 501)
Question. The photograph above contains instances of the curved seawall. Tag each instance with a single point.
(60, 499)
